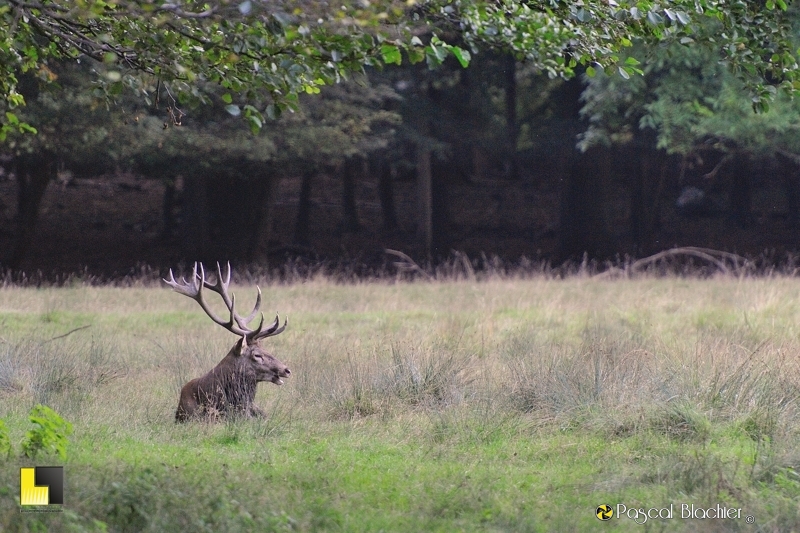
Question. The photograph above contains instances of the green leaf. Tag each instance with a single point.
(415, 55)
(115, 89)
(760, 105)
(462, 55)
(440, 52)
(391, 54)
(227, 98)
(273, 111)
(583, 16)
(5, 442)
(255, 123)
(15, 99)
(50, 435)
(654, 18)
(282, 18)
(591, 72)
(435, 54)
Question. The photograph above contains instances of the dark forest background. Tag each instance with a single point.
(495, 159)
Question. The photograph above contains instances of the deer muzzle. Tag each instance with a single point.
(276, 379)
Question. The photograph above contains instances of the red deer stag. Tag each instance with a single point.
(230, 387)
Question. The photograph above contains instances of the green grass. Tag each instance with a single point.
(505, 405)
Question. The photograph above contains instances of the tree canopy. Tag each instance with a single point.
(692, 103)
(265, 54)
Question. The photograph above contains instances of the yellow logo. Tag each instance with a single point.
(604, 512)
(42, 485)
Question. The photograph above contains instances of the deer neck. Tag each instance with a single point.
(235, 368)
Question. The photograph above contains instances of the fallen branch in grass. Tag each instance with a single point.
(66, 334)
(406, 264)
(717, 258)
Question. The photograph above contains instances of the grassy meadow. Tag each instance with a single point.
(501, 405)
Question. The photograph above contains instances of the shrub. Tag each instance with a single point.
(5, 442)
(50, 435)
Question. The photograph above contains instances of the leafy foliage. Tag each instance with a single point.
(5, 442)
(273, 52)
(278, 50)
(342, 121)
(558, 36)
(692, 103)
(50, 435)
(73, 120)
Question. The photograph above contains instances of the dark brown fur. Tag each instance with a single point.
(230, 387)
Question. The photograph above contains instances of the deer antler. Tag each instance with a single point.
(236, 323)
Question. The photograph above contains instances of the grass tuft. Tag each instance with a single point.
(64, 372)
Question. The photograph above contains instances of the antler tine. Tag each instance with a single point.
(234, 323)
(185, 288)
(272, 330)
(228, 277)
(202, 277)
(199, 284)
(221, 287)
(236, 319)
(172, 283)
(256, 308)
(194, 290)
(252, 336)
(224, 282)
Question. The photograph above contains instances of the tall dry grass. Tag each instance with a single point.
(545, 348)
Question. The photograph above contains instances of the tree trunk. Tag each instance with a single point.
(740, 196)
(301, 225)
(584, 224)
(791, 187)
(168, 210)
(440, 208)
(258, 250)
(512, 127)
(350, 171)
(195, 226)
(637, 217)
(34, 172)
(386, 193)
(480, 163)
(653, 219)
(424, 191)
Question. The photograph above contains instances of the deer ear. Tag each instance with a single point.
(239, 348)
